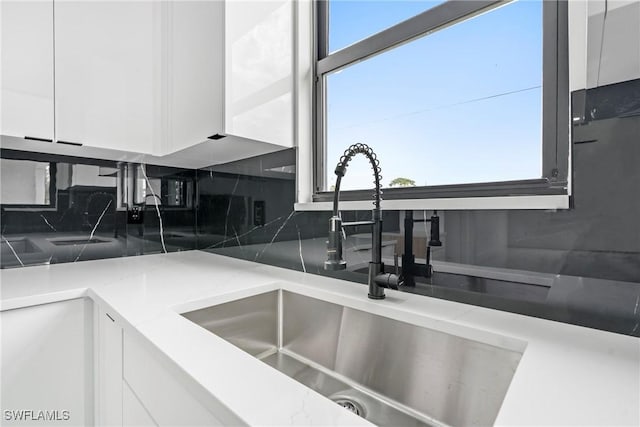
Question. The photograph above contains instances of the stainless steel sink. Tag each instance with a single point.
(391, 372)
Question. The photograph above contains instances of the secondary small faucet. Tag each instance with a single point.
(411, 269)
(378, 279)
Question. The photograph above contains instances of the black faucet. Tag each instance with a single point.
(377, 279)
(409, 267)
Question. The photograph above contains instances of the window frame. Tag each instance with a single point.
(554, 185)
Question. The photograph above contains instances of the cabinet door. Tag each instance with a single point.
(169, 396)
(259, 70)
(109, 370)
(134, 413)
(47, 363)
(194, 71)
(26, 51)
(107, 74)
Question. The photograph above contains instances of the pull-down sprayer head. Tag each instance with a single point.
(334, 260)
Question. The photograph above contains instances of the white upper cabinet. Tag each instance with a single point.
(152, 77)
(259, 70)
(107, 74)
(140, 76)
(26, 52)
(193, 73)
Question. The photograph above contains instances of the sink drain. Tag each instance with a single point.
(350, 405)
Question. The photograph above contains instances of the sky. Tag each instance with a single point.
(461, 105)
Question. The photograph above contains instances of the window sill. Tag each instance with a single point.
(555, 201)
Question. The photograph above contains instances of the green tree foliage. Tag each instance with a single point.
(402, 182)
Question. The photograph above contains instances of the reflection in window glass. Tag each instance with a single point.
(462, 105)
(354, 20)
(154, 191)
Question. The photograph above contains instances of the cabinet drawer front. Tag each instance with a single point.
(168, 395)
(133, 411)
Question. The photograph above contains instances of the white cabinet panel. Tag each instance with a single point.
(194, 72)
(107, 75)
(151, 77)
(139, 76)
(134, 413)
(26, 51)
(161, 389)
(259, 70)
(109, 370)
(47, 364)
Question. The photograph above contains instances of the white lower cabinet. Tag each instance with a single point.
(73, 363)
(133, 412)
(136, 385)
(46, 353)
(167, 394)
(138, 76)
(109, 392)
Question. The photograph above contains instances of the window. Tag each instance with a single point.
(352, 21)
(457, 98)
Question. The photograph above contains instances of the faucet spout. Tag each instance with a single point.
(377, 279)
(341, 169)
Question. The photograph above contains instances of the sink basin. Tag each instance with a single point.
(391, 372)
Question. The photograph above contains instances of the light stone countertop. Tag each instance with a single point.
(568, 375)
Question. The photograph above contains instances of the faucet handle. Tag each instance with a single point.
(389, 280)
(396, 269)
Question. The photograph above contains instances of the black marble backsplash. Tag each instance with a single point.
(579, 266)
(615, 100)
(86, 214)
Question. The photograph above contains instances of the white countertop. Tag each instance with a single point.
(568, 375)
